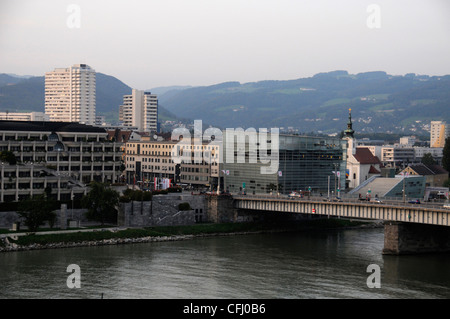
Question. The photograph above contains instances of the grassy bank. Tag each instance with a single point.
(199, 229)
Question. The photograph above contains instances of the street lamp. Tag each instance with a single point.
(335, 177)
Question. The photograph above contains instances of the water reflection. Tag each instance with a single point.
(321, 264)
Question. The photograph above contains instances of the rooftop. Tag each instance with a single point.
(364, 156)
(44, 126)
(423, 169)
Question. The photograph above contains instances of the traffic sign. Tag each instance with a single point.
(314, 210)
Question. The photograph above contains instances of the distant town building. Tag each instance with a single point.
(18, 116)
(140, 109)
(438, 133)
(408, 141)
(70, 94)
(436, 152)
(100, 120)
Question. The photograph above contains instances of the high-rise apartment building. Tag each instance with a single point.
(439, 132)
(70, 94)
(140, 109)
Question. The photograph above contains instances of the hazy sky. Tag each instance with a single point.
(155, 43)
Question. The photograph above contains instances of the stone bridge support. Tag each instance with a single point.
(411, 238)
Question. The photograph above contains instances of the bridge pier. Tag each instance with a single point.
(411, 238)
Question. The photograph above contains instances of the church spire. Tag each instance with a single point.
(349, 131)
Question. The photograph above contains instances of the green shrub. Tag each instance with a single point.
(174, 190)
(135, 195)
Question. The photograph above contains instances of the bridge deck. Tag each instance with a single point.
(400, 212)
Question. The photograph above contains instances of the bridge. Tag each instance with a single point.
(409, 228)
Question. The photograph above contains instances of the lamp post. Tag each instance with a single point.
(335, 177)
(328, 187)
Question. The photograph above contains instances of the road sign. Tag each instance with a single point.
(314, 210)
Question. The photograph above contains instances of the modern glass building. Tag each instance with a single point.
(302, 163)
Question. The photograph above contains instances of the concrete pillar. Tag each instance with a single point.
(411, 238)
(63, 216)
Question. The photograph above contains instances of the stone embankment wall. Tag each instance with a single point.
(163, 210)
(7, 219)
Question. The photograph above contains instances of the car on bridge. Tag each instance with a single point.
(335, 199)
(295, 195)
(415, 201)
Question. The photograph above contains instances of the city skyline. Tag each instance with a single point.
(152, 44)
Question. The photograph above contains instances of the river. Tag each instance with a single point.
(314, 264)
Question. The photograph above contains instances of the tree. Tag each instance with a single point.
(35, 211)
(446, 155)
(446, 183)
(9, 157)
(428, 159)
(101, 202)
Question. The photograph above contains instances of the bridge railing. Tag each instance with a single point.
(393, 201)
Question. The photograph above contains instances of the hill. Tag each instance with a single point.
(380, 103)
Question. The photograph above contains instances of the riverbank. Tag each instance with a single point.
(116, 236)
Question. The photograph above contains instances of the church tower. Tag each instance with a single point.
(349, 135)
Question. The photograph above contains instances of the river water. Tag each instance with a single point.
(315, 264)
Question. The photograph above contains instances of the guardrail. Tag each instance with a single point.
(397, 202)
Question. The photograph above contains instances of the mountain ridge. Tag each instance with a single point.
(380, 102)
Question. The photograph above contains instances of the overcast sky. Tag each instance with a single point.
(155, 43)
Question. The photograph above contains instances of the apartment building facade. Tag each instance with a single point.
(148, 159)
(63, 155)
(70, 94)
(438, 133)
(139, 109)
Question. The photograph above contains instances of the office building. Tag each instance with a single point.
(70, 94)
(301, 163)
(62, 155)
(140, 109)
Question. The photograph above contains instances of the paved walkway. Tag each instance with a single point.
(66, 231)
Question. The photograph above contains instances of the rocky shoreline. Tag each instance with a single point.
(11, 247)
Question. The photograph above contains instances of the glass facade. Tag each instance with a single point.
(303, 162)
